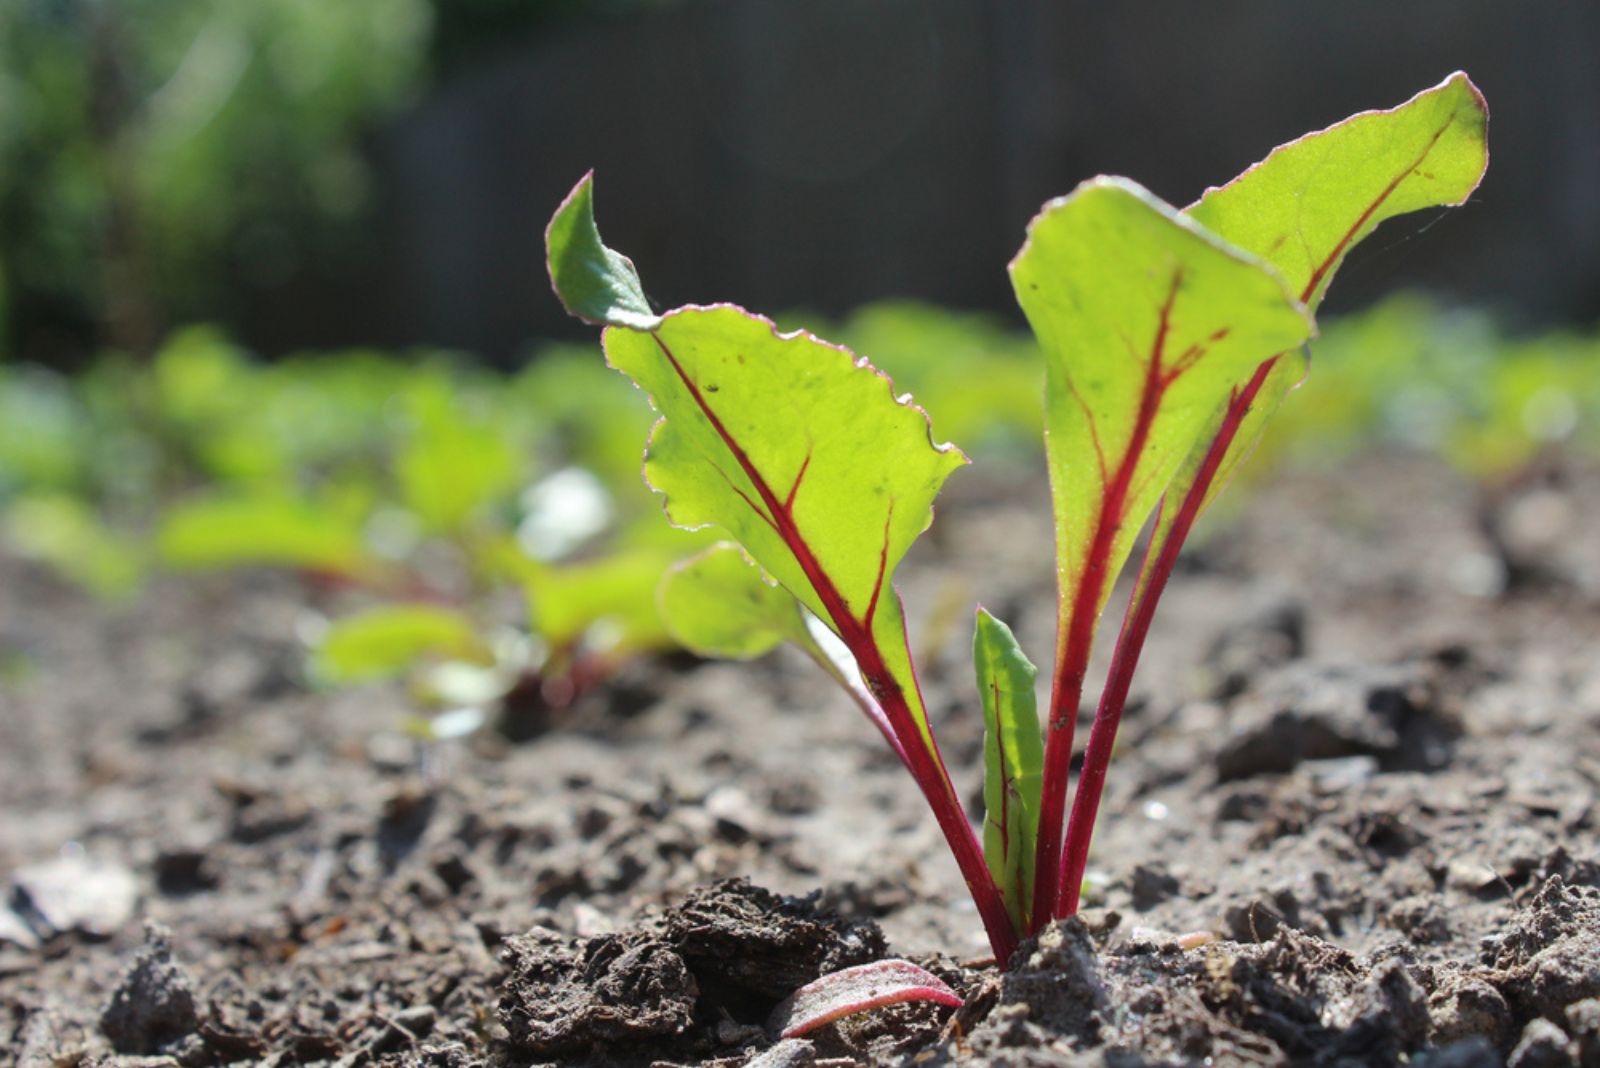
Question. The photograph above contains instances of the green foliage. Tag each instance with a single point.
(64, 533)
(1164, 346)
(145, 143)
(798, 451)
(1300, 210)
(608, 601)
(1013, 761)
(718, 603)
(390, 640)
(41, 427)
(1310, 201)
(1140, 348)
(803, 453)
(453, 465)
(241, 531)
(1444, 381)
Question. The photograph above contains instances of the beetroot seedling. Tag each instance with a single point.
(1169, 337)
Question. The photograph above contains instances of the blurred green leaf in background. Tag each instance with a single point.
(145, 144)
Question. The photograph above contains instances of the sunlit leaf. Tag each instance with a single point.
(1147, 321)
(1301, 209)
(804, 455)
(718, 603)
(1310, 201)
(798, 450)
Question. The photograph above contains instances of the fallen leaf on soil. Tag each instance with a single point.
(858, 989)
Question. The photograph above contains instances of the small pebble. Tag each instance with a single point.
(74, 893)
(790, 1053)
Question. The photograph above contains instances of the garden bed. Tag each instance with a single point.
(1370, 776)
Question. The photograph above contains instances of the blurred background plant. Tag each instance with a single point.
(144, 144)
(353, 194)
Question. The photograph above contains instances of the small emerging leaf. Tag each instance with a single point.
(1013, 756)
(718, 604)
(858, 989)
(595, 284)
(384, 642)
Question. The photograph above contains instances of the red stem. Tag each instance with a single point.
(927, 767)
(1075, 630)
(1067, 882)
(1130, 643)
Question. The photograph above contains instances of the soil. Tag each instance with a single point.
(1352, 820)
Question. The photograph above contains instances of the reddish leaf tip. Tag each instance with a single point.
(859, 989)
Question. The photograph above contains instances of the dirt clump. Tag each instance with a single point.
(154, 1005)
(702, 975)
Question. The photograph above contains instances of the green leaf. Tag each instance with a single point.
(719, 604)
(609, 602)
(66, 535)
(801, 452)
(804, 455)
(222, 532)
(595, 284)
(1013, 758)
(1146, 320)
(385, 642)
(453, 466)
(1310, 201)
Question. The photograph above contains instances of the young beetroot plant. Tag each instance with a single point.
(1169, 338)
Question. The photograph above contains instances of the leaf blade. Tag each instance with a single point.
(1013, 754)
(1141, 344)
(1350, 176)
(832, 420)
(385, 641)
(718, 604)
(763, 435)
(1304, 206)
(596, 284)
(858, 989)
(1183, 313)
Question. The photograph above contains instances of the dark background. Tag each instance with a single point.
(824, 153)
